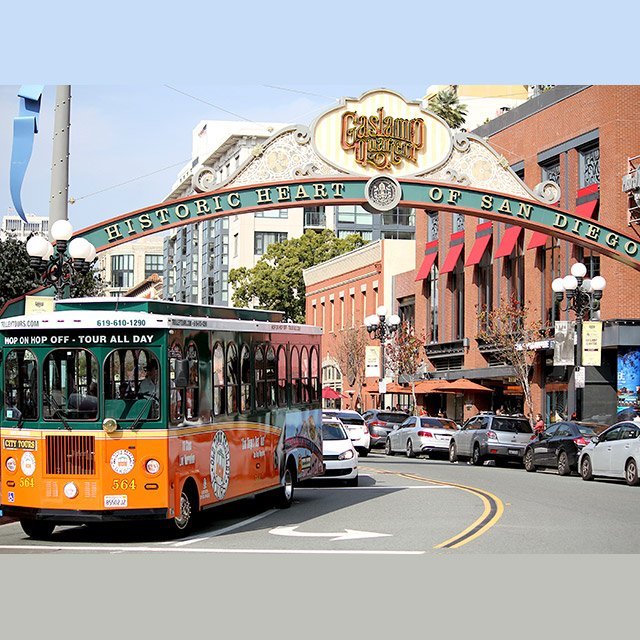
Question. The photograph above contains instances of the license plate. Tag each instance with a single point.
(513, 452)
(115, 501)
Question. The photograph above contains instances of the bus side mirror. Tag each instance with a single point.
(182, 373)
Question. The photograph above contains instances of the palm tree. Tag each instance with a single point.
(446, 105)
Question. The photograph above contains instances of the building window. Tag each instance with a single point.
(314, 217)
(262, 240)
(398, 235)
(551, 171)
(354, 215)
(589, 164)
(458, 222)
(400, 216)
(276, 213)
(153, 264)
(367, 236)
(431, 295)
(122, 271)
(433, 219)
(485, 284)
(235, 245)
(456, 284)
(407, 310)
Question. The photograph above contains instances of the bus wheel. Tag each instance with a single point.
(182, 524)
(37, 529)
(284, 495)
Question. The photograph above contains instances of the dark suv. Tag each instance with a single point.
(380, 423)
(488, 436)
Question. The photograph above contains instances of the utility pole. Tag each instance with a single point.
(59, 200)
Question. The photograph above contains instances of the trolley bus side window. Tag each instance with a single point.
(70, 385)
(315, 380)
(21, 385)
(218, 379)
(295, 376)
(271, 375)
(282, 376)
(232, 378)
(304, 375)
(245, 378)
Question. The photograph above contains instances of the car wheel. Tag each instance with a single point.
(476, 458)
(364, 452)
(37, 529)
(563, 464)
(387, 448)
(631, 473)
(410, 451)
(528, 461)
(353, 482)
(453, 452)
(585, 468)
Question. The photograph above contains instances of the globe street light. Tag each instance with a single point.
(381, 327)
(583, 298)
(57, 269)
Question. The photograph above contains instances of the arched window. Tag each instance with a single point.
(271, 377)
(282, 376)
(192, 408)
(245, 378)
(177, 395)
(315, 372)
(295, 376)
(232, 378)
(304, 374)
(260, 385)
(218, 379)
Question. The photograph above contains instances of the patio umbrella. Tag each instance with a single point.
(462, 384)
(331, 394)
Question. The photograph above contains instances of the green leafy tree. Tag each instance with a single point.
(446, 105)
(276, 281)
(16, 276)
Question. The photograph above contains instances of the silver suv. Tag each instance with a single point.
(491, 437)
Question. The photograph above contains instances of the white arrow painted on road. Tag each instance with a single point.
(349, 534)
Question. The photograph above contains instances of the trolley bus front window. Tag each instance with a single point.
(21, 386)
(70, 385)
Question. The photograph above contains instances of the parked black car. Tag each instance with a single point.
(559, 446)
(380, 423)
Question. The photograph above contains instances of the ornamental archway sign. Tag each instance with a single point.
(378, 151)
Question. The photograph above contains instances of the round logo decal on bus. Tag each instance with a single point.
(220, 464)
(28, 463)
(122, 461)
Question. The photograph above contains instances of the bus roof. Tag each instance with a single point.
(168, 308)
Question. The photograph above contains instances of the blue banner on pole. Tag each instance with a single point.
(25, 127)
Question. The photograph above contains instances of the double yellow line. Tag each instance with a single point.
(493, 510)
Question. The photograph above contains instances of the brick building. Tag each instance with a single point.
(341, 293)
(580, 137)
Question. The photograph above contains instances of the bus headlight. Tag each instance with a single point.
(109, 425)
(11, 464)
(70, 490)
(152, 466)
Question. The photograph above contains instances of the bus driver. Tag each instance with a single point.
(149, 387)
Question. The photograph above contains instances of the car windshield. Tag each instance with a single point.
(591, 429)
(395, 418)
(333, 432)
(350, 418)
(511, 424)
(439, 424)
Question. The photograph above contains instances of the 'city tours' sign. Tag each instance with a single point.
(331, 191)
(381, 133)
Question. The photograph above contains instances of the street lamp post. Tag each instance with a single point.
(583, 298)
(56, 269)
(381, 327)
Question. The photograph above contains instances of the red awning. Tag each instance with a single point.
(538, 239)
(452, 258)
(508, 242)
(587, 209)
(425, 267)
(478, 249)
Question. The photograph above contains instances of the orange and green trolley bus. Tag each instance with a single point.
(135, 409)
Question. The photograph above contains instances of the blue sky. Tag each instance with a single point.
(127, 124)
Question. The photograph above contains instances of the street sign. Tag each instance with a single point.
(579, 377)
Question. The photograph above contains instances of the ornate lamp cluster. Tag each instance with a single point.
(583, 294)
(56, 268)
(379, 326)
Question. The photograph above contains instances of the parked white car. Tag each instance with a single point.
(421, 434)
(338, 452)
(358, 431)
(615, 453)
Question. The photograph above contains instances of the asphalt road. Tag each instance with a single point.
(402, 507)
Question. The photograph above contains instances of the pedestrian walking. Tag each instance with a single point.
(538, 426)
